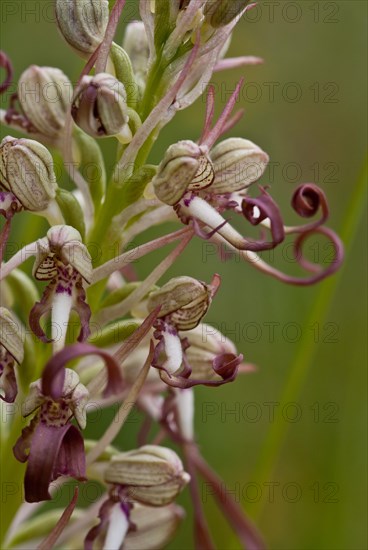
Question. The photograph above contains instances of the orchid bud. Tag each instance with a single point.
(183, 300)
(185, 167)
(155, 527)
(44, 95)
(100, 107)
(62, 243)
(11, 337)
(82, 23)
(27, 170)
(237, 163)
(219, 13)
(137, 47)
(154, 474)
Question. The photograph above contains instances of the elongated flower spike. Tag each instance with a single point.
(11, 352)
(63, 260)
(51, 445)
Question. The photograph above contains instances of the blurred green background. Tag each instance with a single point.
(300, 472)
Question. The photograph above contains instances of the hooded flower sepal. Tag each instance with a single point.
(64, 260)
(11, 352)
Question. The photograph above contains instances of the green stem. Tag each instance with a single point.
(305, 353)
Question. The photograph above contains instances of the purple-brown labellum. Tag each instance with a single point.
(54, 373)
(267, 208)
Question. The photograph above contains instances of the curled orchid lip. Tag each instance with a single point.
(54, 373)
(266, 208)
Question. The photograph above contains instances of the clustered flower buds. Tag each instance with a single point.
(100, 109)
(82, 23)
(11, 352)
(27, 170)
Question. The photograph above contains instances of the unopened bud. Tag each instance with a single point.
(82, 23)
(100, 107)
(154, 474)
(11, 337)
(185, 167)
(64, 244)
(44, 95)
(27, 170)
(136, 45)
(183, 299)
(237, 163)
(155, 527)
(219, 13)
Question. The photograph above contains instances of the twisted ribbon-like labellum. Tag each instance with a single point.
(54, 373)
(306, 201)
(267, 209)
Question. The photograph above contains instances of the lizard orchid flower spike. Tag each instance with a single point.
(184, 301)
(150, 475)
(11, 352)
(63, 260)
(51, 445)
